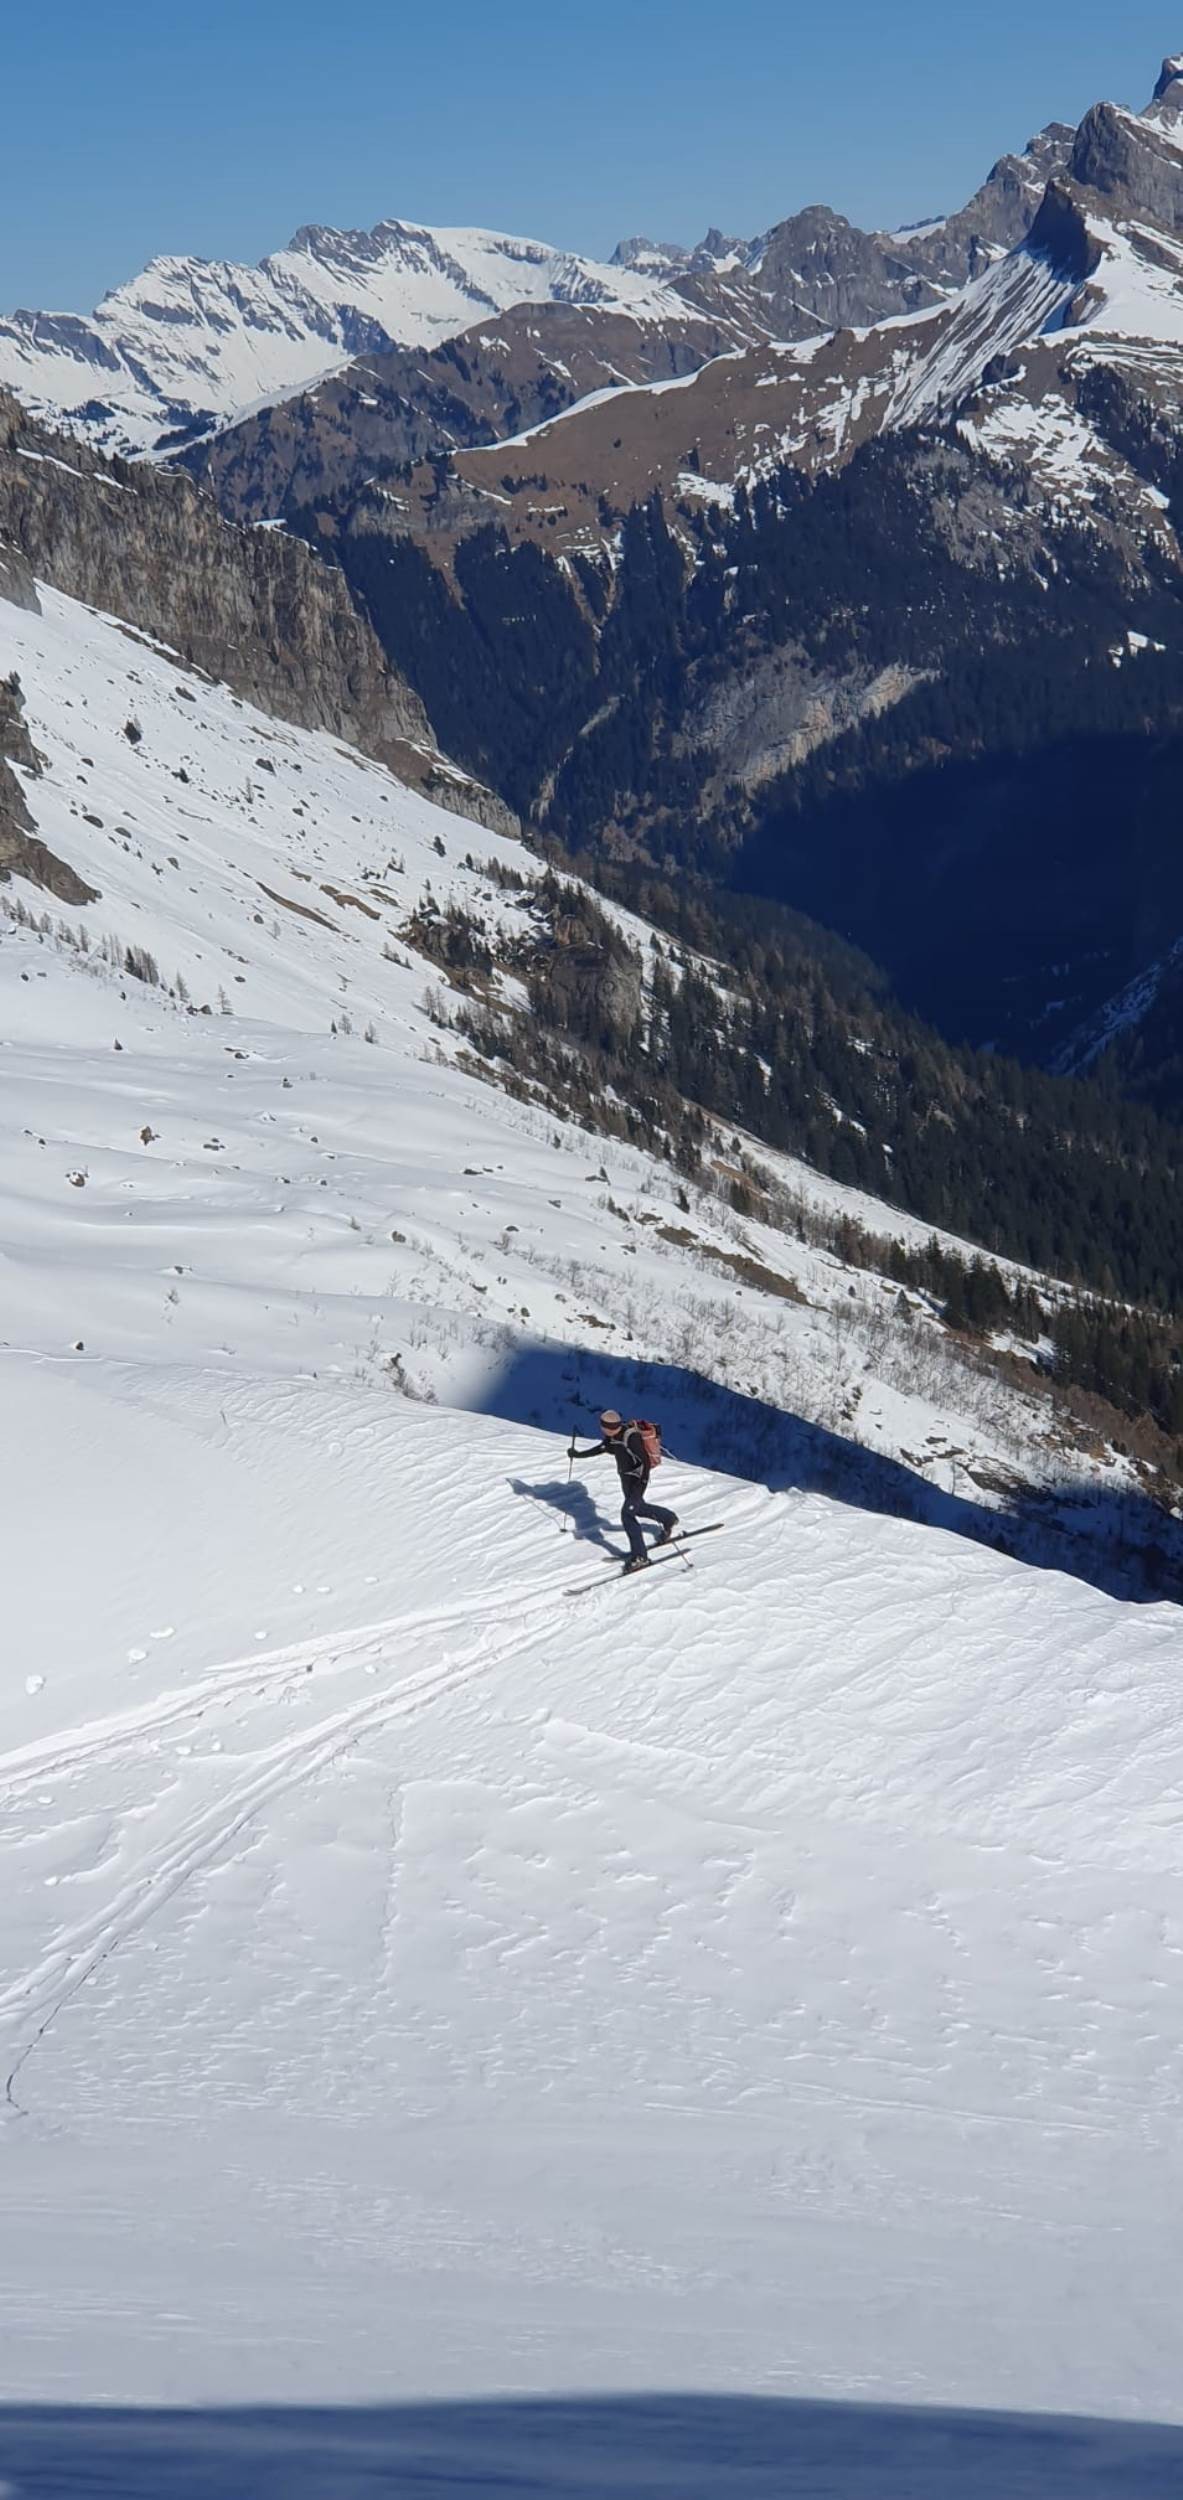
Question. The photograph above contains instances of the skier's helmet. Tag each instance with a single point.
(610, 1421)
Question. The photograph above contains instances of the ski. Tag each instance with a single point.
(668, 1553)
(664, 1553)
(680, 1537)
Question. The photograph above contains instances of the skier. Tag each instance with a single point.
(627, 1446)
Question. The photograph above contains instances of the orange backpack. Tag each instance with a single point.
(650, 1437)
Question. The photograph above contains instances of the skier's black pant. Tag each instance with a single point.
(635, 1508)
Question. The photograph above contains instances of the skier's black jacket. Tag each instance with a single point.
(630, 1454)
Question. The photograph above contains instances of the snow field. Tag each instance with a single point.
(766, 1975)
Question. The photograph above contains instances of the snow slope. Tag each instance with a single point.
(270, 875)
(416, 1979)
(192, 341)
(764, 1978)
(1014, 301)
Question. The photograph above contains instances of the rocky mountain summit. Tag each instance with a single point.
(1135, 160)
(817, 270)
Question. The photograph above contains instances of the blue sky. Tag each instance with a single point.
(135, 129)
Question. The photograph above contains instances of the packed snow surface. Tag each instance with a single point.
(418, 1979)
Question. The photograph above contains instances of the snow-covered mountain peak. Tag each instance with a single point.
(190, 343)
(485, 266)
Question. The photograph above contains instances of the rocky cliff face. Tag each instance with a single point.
(819, 272)
(247, 606)
(22, 854)
(251, 607)
(1134, 163)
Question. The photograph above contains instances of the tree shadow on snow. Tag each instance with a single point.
(1120, 1542)
(582, 2448)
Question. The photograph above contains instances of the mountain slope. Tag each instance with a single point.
(422, 1971)
(1044, 362)
(1096, 288)
(190, 346)
(268, 953)
(248, 607)
(367, 424)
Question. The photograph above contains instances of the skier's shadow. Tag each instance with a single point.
(576, 1501)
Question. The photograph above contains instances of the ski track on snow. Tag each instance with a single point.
(78, 1952)
(54, 1757)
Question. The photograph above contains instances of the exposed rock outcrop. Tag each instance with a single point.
(251, 607)
(1061, 234)
(1133, 162)
(998, 216)
(821, 273)
(17, 585)
(22, 854)
(16, 745)
(1168, 93)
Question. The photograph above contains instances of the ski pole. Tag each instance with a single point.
(570, 1473)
